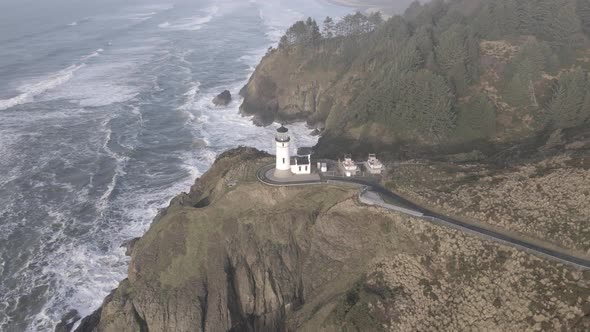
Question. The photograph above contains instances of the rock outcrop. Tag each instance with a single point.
(285, 89)
(223, 99)
(255, 258)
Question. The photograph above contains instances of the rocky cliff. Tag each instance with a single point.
(316, 87)
(235, 255)
(287, 86)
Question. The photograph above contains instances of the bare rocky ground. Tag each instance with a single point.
(234, 254)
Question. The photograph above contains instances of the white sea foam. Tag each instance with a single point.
(100, 84)
(189, 24)
(276, 18)
(76, 23)
(93, 55)
(140, 16)
(120, 161)
(31, 90)
(135, 110)
(190, 96)
(192, 23)
(159, 7)
(214, 121)
(79, 272)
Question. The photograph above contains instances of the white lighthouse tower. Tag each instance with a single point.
(282, 139)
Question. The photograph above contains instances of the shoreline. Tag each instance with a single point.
(354, 4)
(386, 9)
(345, 3)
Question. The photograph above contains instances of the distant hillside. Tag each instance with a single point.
(448, 73)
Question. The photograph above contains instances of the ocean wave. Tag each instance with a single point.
(276, 19)
(190, 96)
(188, 24)
(192, 23)
(29, 91)
(100, 84)
(76, 23)
(120, 162)
(93, 55)
(136, 111)
(141, 16)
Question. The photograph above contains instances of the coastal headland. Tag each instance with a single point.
(236, 254)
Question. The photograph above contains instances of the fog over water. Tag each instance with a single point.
(105, 115)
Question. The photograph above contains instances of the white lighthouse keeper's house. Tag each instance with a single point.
(283, 167)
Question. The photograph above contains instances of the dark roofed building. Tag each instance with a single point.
(300, 160)
(305, 151)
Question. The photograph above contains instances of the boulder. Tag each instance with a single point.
(68, 321)
(128, 245)
(223, 99)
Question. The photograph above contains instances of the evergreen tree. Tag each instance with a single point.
(424, 102)
(566, 26)
(450, 51)
(583, 9)
(303, 33)
(313, 35)
(423, 40)
(284, 42)
(568, 106)
(409, 59)
(375, 20)
(457, 55)
(449, 19)
(477, 119)
(504, 15)
(328, 31)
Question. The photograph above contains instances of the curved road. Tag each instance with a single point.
(405, 206)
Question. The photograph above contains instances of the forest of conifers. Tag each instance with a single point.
(428, 70)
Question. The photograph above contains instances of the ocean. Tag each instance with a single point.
(105, 115)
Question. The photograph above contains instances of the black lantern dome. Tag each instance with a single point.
(283, 134)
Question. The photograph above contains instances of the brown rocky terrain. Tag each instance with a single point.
(544, 198)
(234, 254)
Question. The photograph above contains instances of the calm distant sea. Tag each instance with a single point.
(105, 115)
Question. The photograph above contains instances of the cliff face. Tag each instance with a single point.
(287, 86)
(236, 255)
(315, 86)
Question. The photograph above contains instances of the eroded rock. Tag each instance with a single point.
(223, 99)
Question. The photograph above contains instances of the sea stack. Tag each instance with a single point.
(223, 99)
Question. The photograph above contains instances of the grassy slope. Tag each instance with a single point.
(542, 196)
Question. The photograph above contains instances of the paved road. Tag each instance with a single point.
(398, 203)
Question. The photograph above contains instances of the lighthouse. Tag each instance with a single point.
(282, 140)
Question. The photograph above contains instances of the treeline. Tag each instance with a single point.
(570, 104)
(305, 33)
(556, 21)
(425, 66)
(308, 33)
(351, 25)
